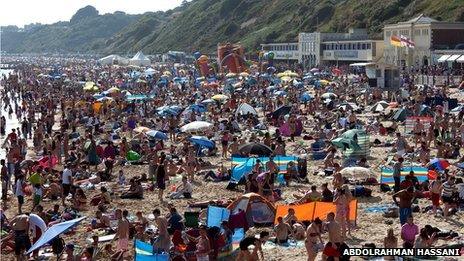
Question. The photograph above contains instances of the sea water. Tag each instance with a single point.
(10, 123)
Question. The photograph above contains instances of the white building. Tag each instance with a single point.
(335, 48)
(432, 39)
(282, 51)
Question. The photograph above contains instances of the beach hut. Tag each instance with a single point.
(258, 210)
(139, 59)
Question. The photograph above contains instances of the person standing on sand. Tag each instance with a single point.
(161, 177)
(397, 167)
(448, 189)
(341, 201)
(163, 241)
(122, 230)
(406, 197)
(435, 189)
(334, 229)
(312, 233)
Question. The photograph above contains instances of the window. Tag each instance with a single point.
(425, 31)
(368, 46)
(417, 32)
(363, 46)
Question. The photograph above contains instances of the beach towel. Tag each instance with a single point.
(244, 165)
(216, 215)
(386, 176)
(313, 210)
(144, 252)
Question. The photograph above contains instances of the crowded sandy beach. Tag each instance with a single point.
(339, 144)
(274, 165)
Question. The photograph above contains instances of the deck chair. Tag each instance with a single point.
(192, 219)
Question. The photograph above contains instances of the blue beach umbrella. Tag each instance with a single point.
(157, 135)
(202, 142)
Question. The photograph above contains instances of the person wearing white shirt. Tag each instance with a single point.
(19, 192)
(66, 183)
(184, 190)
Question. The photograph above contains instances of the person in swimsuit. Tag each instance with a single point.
(341, 203)
(312, 233)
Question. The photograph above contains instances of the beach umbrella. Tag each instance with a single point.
(53, 232)
(208, 101)
(98, 96)
(102, 99)
(113, 90)
(197, 108)
(379, 106)
(142, 129)
(306, 97)
(348, 106)
(196, 126)
(202, 141)
(167, 73)
(336, 71)
(323, 82)
(357, 172)
(439, 164)
(329, 95)
(282, 110)
(244, 74)
(231, 75)
(280, 93)
(286, 79)
(313, 70)
(220, 97)
(254, 148)
(287, 73)
(156, 135)
(150, 71)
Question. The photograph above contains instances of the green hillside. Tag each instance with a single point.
(201, 24)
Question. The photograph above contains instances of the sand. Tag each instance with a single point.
(370, 227)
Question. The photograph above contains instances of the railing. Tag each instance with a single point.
(431, 80)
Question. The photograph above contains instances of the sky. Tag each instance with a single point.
(22, 12)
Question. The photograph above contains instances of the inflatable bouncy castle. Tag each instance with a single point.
(203, 64)
(230, 58)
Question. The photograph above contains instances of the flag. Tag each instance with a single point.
(395, 41)
(406, 42)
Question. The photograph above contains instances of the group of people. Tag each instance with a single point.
(102, 155)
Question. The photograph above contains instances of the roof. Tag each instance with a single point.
(421, 19)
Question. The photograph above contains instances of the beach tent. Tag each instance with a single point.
(401, 114)
(258, 210)
(245, 109)
(113, 59)
(139, 59)
(355, 143)
(254, 148)
(313, 210)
